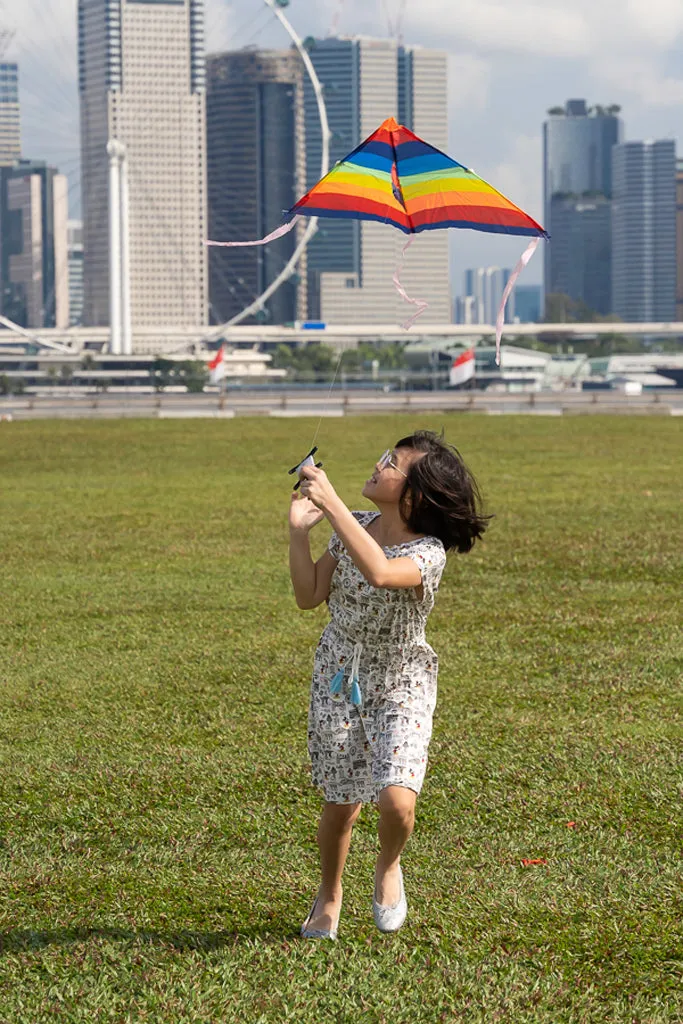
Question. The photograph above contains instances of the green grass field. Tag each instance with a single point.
(157, 823)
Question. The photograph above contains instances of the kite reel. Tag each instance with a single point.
(308, 461)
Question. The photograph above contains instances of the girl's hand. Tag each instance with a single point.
(303, 514)
(316, 486)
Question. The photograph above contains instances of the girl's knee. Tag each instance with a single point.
(342, 815)
(398, 804)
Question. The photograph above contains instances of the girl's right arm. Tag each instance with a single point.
(311, 580)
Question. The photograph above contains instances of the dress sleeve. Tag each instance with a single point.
(430, 556)
(335, 545)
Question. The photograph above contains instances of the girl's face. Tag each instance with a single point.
(386, 483)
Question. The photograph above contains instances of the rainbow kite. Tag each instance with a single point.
(397, 178)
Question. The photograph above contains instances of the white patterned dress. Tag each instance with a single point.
(373, 690)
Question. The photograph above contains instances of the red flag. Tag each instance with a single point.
(217, 366)
(463, 367)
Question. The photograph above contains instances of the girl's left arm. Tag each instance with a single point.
(366, 553)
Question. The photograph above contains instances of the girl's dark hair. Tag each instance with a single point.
(440, 496)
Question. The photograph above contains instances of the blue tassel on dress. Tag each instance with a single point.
(336, 683)
(356, 697)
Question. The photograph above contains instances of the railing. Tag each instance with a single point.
(667, 401)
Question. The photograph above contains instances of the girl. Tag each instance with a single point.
(374, 679)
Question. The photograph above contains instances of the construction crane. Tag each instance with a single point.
(6, 37)
(395, 20)
(334, 27)
(6, 34)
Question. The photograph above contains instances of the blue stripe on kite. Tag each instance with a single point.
(494, 229)
(416, 147)
(411, 150)
(365, 159)
(379, 149)
(421, 164)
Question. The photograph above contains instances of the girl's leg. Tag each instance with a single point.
(334, 838)
(396, 822)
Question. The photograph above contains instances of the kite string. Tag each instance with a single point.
(420, 303)
(336, 371)
(278, 233)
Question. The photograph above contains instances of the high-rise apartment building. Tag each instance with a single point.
(577, 186)
(679, 241)
(644, 230)
(255, 170)
(528, 303)
(484, 286)
(34, 272)
(351, 263)
(582, 250)
(10, 124)
(465, 310)
(142, 82)
(75, 250)
(475, 289)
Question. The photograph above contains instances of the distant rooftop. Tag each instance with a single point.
(580, 108)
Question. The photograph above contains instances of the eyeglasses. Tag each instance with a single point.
(386, 460)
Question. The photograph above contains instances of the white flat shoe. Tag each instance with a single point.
(390, 919)
(318, 933)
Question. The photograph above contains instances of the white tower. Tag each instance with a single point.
(142, 82)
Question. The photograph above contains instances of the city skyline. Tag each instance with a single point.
(578, 142)
(496, 111)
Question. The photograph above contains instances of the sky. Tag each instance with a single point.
(509, 61)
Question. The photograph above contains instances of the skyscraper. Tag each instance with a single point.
(142, 82)
(10, 125)
(75, 243)
(582, 250)
(465, 310)
(34, 274)
(679, 241)
(528, 303)
(644, 230)
(475, 288)
(255, 170)
(485, 287)
(351, 263)
(496, 279)
(577, 179)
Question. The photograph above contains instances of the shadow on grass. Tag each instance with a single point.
(21, 941)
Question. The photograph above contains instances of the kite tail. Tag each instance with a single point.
(420, 303)
(523, 260)
(278, 233)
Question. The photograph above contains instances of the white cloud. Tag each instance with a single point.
(518, 174)
(657, 22)
(516, 26)
(42, 26)
(469, 80)
(643, 78)
(556, 28)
